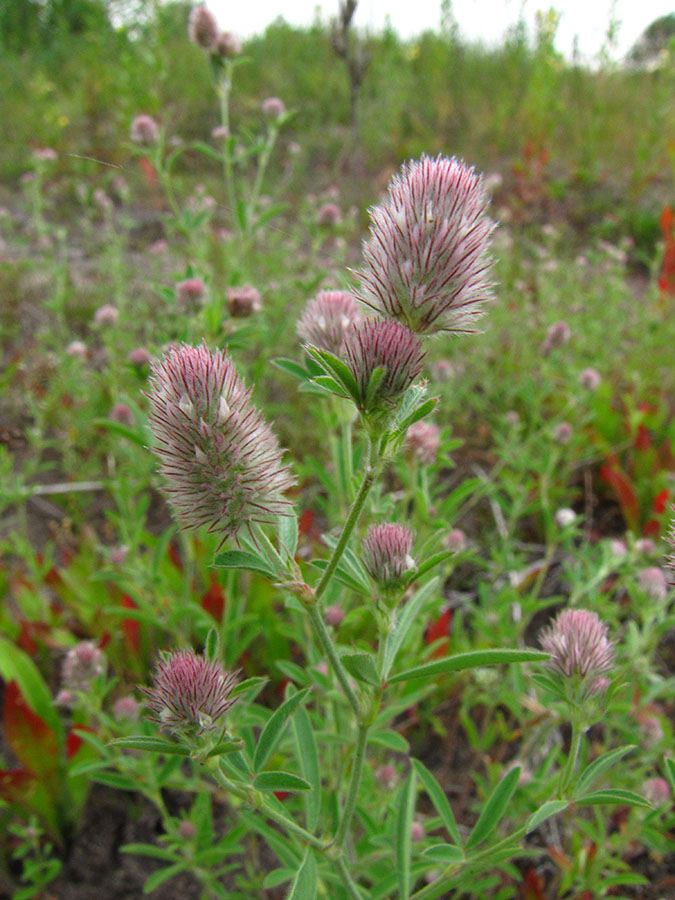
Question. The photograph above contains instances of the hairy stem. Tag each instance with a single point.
(354, 783)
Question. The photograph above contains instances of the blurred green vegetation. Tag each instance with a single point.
(73, 81)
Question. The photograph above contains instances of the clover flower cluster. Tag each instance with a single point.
(221, 460)
(327, 320)
(578, 643)
(386, 553)
(190, 692)
(426, 262)
(203, 30)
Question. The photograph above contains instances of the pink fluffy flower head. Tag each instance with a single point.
(578, 644)
(190, 290)
(423, 440)
(385, 553)
(221, 460)
(227, 44)
(388, 345)
(203, 28)
(144, 130)
(243, 301)
(273, 107)
(190, 694)
(426, 262)
(327, 319)
(83, 663)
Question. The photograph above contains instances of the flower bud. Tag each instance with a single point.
(385, 553)
(590, 379)
(190, 291)
(387, 777)
(327, 319)
(562, 433)
(82, 664)
(144, 130)
(243, 301)
(203, 28)
(656, 791)
(273, 107)
(564, 517)
(126, 708)
(578, 644)
(653, 582)
(106, 315)
(455, 540)
(423, 441)
(334, 615)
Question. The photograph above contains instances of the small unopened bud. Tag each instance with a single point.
(203, 28)
(656, 791)
(386, 553)
(139, 357)
(106, 315)
(220, 133)
(387, 777)
(590, 379)
(651, 730)
(618, 547)
(65, 699)
(77, 349)
(119, 554)
(187, 830)
(329, 214)
(126, 709)
(562, 433)
(243, 301)
(82, 664)
(144, 130)
(334, 615)
(653, 583)
(417, 831)
(455, 540)
(423, 441)
(227, 44)
(273, 107)
(190, 291)
(558, 334)
(645, 546)
(327, 319)
(122, 413)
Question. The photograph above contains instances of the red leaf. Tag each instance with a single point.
(533, 886)
(623, 488)
(32, 740)
(643, 439)
(148, 171)
(74, 741)
(281, 795)
(660, 502)
(174, 556)
(213, 601)
(131, 627)
(437, 630)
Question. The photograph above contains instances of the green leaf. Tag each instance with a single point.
(494, 809)
(670, 771)
(331, 385)
(212, 645)
(439, 799)
(304, 885)
(338, 370)
(134, 435)
(148, 850)
(610, 795)
(432, 562)
(288, 534)
(208, 151)
(114, 779)
(276, 877)
(255, 683)
(15, 665)
(409, 615)
(599, 766)
(163, 875)
(224, 747)
(418, 413)
(271, 733)
(150, 745)
(471, 660)
(445, 853)
(374, 385)
(404, 817)
(280, 781)
(292, 368)
(242, 559)
(550, 808)
(309, 765)
(392, 740)
(362, 667)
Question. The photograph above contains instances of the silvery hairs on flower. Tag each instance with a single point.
(221, 460)
(426, 262)
(578, 643)
(327, 319)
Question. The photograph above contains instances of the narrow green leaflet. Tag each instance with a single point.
(288, 534)
(670, 769)
(494, 808)
(392, 740)
(15, 665)
(611, 795)
(163, 875)
(292, 367)
(445, 853)
(599, 766)
(271, 733)
(361, 666)
(150, 745)
(242, 559)
(280, 781)
(409, 615)
(148, 850)
(406, 808)
(550, 808)
(471, 660)
(309, 765)
(304, 885)
(439, 799)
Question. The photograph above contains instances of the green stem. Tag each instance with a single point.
(330, 651)
(224, 89)
(287, 824)
(354, 783)
(350, 884)
(369, 476)
(575, 746)
(263, 162)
